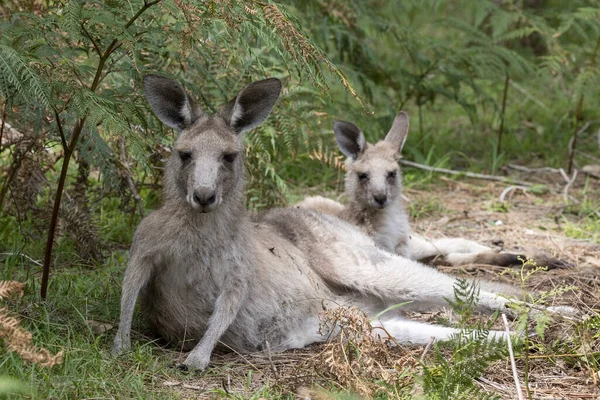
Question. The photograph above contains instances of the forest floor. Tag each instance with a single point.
(562, 363)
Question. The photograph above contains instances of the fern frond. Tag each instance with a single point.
(18, 75)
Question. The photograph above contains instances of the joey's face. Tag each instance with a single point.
(207, 163)
(373, 180)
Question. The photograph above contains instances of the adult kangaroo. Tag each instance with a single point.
(373, 186)
(206, 272)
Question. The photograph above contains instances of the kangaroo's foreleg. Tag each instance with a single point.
(229, 302)
(137, 275)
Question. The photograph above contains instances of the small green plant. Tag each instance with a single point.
(421, 208)
(499, 206)
(470, 351)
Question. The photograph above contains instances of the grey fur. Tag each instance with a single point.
(208, 272)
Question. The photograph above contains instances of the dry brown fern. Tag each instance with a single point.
(18, 339)
(361, 358)
(78, 222)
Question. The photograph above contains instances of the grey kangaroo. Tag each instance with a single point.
(374, 186)
(206, 272)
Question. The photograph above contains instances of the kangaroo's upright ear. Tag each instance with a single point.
(170, 102)
(350, 139)
(398, 132)
(252, 105)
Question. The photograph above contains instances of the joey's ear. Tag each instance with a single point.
(252, 104)
(398, 132)
(170, 102)
(350, 139)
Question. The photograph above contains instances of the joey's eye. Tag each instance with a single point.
(363, 176)
(391, 175)
(230, 157)
(184, 156)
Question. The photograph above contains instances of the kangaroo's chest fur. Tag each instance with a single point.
(389, 227)
(190, 266)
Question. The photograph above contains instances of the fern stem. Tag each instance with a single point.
(421, 134)
(4, 107)
(70, 148)
(526, 360)
(502, 115)
(575, 133)
(578, 114)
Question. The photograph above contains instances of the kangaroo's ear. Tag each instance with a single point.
(350, 139)
(398, 132)
(252, 104)
(170, 102)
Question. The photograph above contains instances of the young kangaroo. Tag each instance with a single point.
(206, 272)
(374, 187)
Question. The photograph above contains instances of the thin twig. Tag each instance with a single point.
(63, 139)
(465, 173)
(570, 182)
(22, 255)
(89, 36)
(531, 170)
(429, 344)
(502, 114)
(509, 189)
(528, 95)
(273, 367)
(512, 359)
(3, 122)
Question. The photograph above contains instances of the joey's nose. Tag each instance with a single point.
(204, 196)
(380, 199)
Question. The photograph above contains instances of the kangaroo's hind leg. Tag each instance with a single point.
(459, 251)
(404, 331)
(394, 279)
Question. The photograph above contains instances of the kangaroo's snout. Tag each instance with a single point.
(380, 200)
(204, 196)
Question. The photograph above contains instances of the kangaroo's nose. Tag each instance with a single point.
(204, 196)
(380, 199)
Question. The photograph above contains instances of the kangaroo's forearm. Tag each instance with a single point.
(136, 277)
(227, 306)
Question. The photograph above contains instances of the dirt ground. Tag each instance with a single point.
(532, 224)
(525, 223)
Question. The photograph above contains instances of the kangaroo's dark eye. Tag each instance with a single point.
(391, 175)
(184, 156)
(230, 157)
(363, 176)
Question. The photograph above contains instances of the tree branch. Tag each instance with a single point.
(69, 149)
(96, 46)
(63, 139)
(466, 173)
